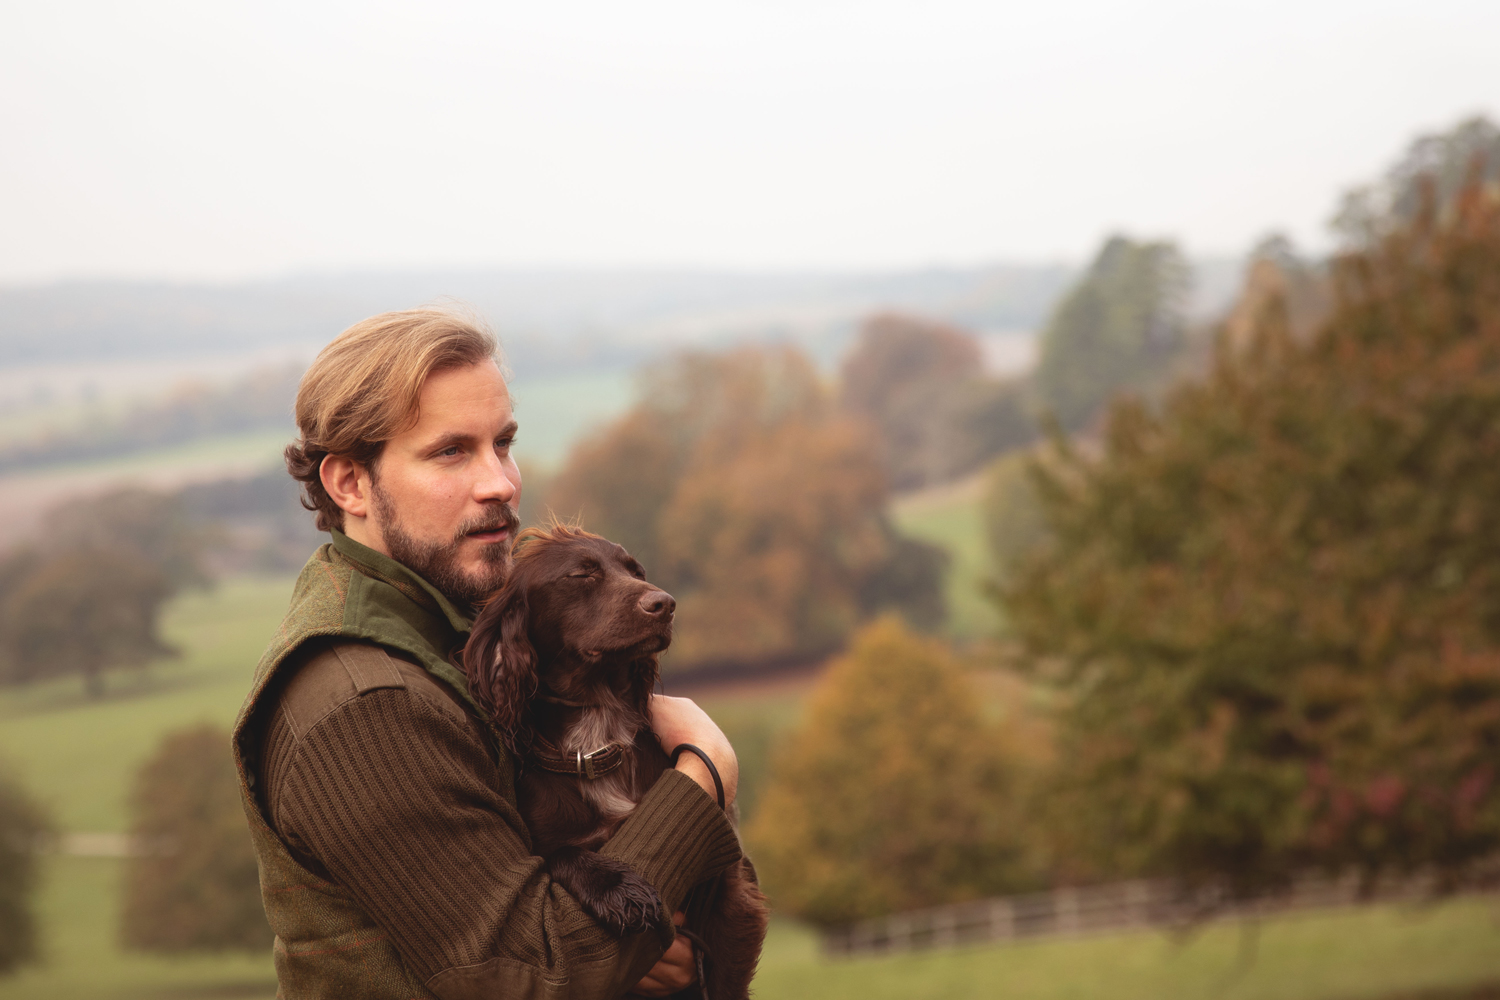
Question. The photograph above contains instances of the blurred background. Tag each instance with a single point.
(1072, 434)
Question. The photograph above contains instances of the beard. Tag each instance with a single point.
(438, 562)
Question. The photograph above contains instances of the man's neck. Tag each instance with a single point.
(361, 530)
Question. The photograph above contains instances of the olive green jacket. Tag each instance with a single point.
(370, 625)
(326, 945)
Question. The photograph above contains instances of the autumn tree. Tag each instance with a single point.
(1278, 279)
(1271, 610)
(770, 545)
(1119, 329)
(921, 383)
(743, 491)
(193, 885)
(894, 792)
(22, 827)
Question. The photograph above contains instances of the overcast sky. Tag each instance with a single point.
(222, 140)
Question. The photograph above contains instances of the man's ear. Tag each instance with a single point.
(347, 482)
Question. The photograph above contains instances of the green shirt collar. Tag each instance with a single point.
(418, 590)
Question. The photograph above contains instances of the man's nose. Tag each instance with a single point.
(499, 481)
(658, 604)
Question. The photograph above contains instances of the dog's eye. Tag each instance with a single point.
(583, 573)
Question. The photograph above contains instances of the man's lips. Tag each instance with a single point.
(492, 535)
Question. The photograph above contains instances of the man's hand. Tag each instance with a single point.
(678, 720)
(676, 970)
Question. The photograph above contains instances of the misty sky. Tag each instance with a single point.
(228, 140)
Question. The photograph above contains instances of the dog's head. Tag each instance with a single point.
(576, 620)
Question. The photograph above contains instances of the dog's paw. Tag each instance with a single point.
(630, 906)
(610, 891)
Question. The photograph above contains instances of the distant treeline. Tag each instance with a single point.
(193, 412)
(546, 319)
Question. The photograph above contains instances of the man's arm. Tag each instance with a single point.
(676, 721)
(397, 801)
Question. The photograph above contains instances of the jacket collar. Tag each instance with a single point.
(417, 590)
(387, 603)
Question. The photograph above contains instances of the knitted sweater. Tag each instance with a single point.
(393, 861)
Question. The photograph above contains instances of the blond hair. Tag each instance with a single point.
(363, 390)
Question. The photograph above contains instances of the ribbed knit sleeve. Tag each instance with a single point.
(399, 805)
(677, 832)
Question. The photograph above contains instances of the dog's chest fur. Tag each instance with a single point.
(613, 796)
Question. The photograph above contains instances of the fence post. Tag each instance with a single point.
(898, 933)
(944, 928)
(1137, 904)
(1002, 920)
(1066, 907)
(861, 938)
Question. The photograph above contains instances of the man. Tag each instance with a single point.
(393, 862)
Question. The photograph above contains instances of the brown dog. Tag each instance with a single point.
(564, 659)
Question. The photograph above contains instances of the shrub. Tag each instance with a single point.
(22, 827)
(894, 793)
(194, 884)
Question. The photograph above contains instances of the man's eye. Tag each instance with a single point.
(452, 449)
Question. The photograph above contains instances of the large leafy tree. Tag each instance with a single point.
(1120, 328)
(83, 611)
(1273, 607)
(87, 598)
(895, 792)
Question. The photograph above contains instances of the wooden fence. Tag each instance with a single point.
(1094, 909)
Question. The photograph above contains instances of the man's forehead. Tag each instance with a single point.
(475, 393)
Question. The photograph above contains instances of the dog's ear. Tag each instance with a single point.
(501, 664)
(644, 675)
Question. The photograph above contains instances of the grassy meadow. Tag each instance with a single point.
(949, 516)
(1450, 952)
(79, 757)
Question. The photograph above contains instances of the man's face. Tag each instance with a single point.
(445, 491)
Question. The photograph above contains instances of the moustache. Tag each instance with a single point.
(505, 516)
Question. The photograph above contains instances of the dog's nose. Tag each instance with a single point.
(658, 604)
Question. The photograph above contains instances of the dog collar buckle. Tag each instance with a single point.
(586, 761)
(591, 765)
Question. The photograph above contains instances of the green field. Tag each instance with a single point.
(79, 757)
(950, 517)
(1368, 954)
(1376, 952)
(81, 960)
